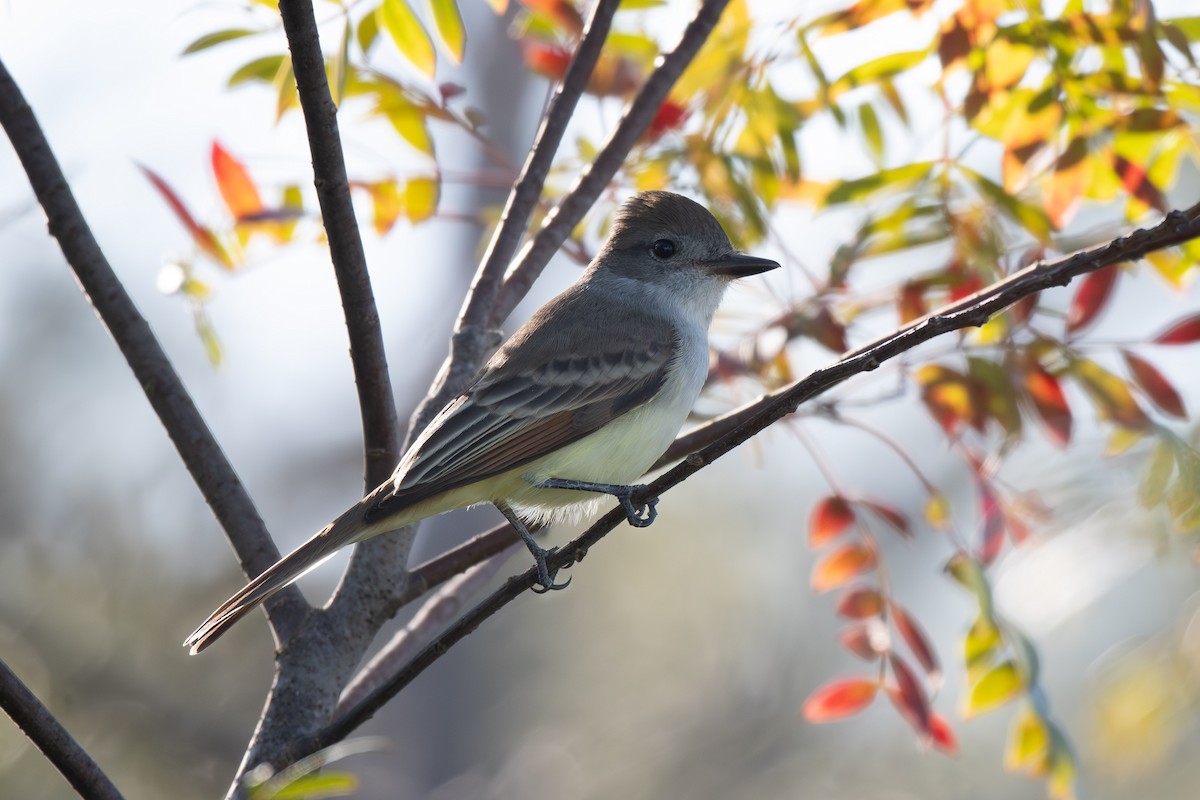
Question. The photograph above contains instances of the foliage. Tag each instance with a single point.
(1042, 115)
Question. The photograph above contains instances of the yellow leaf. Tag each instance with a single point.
(996, 687)
(1028, 746)
(1120, 440)
(1109, 394)
(421, 198)
(408, 34)
(980, 644)
(1158, 475)
(448, 20)
(937, 511)
(387, 204)
(409, 122)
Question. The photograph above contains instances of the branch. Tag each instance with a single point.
(975, 310)
(59, 747)
(570, 210)
(197, 447)
(472, 332)
(381, 433)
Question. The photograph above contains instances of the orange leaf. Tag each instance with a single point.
(909, 696)
(548, 60)
(917, 642)
(1155, 385)
(840, 698)
(202, 236)
(911, 302)
(950, 397)
(1091, 297)
(831, 518)
(1049, 402)
(866, 640)
(1110, 395)
(860, 602)
(669, 117)
(236, 186)
(837, 568)
(1185, 331)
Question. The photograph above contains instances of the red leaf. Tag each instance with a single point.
(201, 235)
(236, 186)
(837, 568)
(860, 602)
(911, 302)
(917, 642)
(943, 735)
(840, 698)
(670, 116)
(993, 524)
(890, 515)
(548, 60)
(863, 640)
(1185, 331)
(831, 518)
(1049, 402)
(1137, 183)
(909, 696)
(1090, 298)
(1155, 385)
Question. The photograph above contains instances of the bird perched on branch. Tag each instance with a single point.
(578, 404)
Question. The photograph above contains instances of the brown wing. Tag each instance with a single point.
(536, 395)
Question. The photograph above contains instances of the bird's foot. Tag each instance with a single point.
(545, 576)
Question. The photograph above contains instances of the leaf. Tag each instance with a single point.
(1135, 180)
(421, 198)
(950, 397)
(1155, 385)
(1032, 218)
(992, 518)
(830, 518)
(915, 638)
(995, 385)
(235, 184)
(889, 514)
(872, 132)
(215, 38)
(969, 574)
(839, 698)
(860, 602)
(895, 179)
(1158, 474)
(1028, 747)
(449, 23)
(937, 511)
(1110, 395)
(867, 640)
(1184, 331)
(204, 238)
(409, 122)
(262, 69)
(387, 204)
(980, 644)
(1049, 402)
(997, 686)
(942, 734)
(1091, 297)
(317, 786)
(839, 567)
(408, 35)
(910, 697)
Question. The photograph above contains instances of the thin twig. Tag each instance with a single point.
(973, 311)
(472, 331)
(59, 747)
(637, 118)
(381, 432)
(197, 447)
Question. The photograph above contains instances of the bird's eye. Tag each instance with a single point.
(663, 249)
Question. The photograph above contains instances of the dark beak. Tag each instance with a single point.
(739, 265)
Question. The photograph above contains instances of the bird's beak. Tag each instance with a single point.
(739, 265)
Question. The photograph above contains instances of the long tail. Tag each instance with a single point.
(348, 528)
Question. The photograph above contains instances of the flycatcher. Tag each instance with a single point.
(578, 404)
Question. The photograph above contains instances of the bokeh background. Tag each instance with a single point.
(676, 664)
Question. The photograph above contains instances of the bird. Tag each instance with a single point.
(576, 405)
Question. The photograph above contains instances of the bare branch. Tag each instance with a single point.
(473, 336)
(211, 471)
(381, 432)
(563, 219)
(59, 747)
(1177, 227)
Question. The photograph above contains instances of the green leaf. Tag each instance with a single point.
(408, 34)
(448, 20)
(879, 69)
(262, 69)
(872, 132)
(215, 38)
(1032, 218)
(338, 66)
(316, 786)
(1158, 475)
(969, 574)
(895, 179)
(996, 687)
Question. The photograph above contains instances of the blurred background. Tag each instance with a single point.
(679, 660)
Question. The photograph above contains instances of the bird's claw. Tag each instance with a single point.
(639, 515)
(545, 576)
